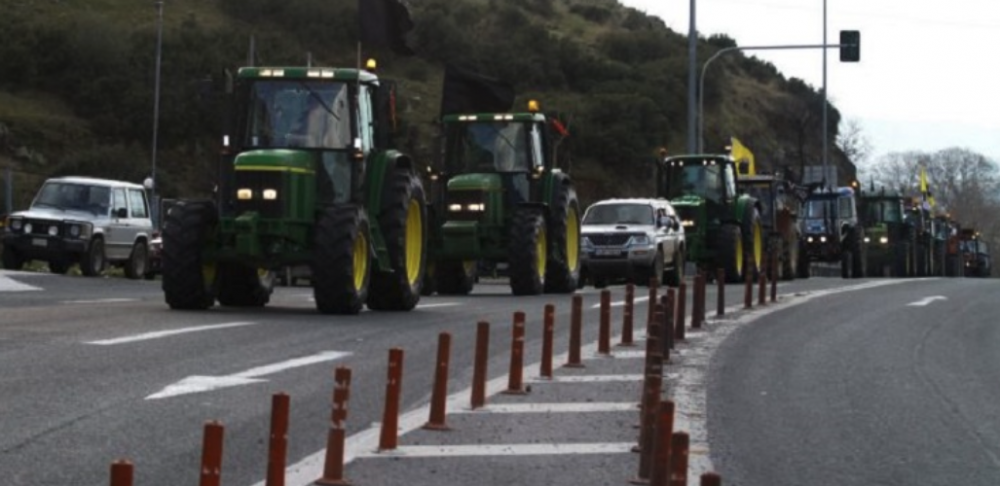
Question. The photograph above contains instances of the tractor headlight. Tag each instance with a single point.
(687, 223)
(868, 240)
(478, 207)
(883, 240)
(822, 239)
(454, 208)
(270, 194)
(809, 239)
(244, 194)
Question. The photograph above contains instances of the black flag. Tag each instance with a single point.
(385, 23)
(468, 92)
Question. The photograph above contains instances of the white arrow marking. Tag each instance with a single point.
(926, 300)
(171, 332)
(10, 285)
(116, 300)
(619, 303)
(441, 304)
(198, 384)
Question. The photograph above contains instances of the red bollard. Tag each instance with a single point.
(653, 296)
(762, 291)
(479, 367)
(333, 467)
(748, 290)
(575, 333)
(627, 316)
(278, 445)
(660, 473)
(666, 335)
(439, 395)
(389, 437)
(720, 282)
(211, 455)
(650, 404)
(711, 479)
(699, 307)
(604, 330)
(515, 381)
(681, 317)
(774, 279)
(679, 459)
(121, 473)
(548, 335)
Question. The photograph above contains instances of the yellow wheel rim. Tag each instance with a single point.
(468, 268)
(758, 245)
(572, 239)
(360, 260)
(540, 251)
(739, 256)
(414, 241)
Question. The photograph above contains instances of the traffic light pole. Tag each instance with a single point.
(704, 67)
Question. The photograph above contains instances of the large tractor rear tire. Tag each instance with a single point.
(562, 270)
(404, 224)
(341, 267)
(242, 286)
(456, 277)
(528, 252)
(187, 279)
(730, 252)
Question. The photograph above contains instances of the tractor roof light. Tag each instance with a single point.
(371, 65)
(533, 106)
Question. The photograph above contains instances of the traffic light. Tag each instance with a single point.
(850, 46)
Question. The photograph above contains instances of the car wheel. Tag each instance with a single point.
(92, 261)
(135, 267)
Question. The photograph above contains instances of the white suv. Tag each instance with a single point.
(632, 240)
(92, 222)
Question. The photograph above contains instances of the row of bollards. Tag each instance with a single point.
(663, 452)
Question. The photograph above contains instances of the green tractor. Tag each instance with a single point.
(499, 198)
(889, 236)
(780, 202)
(308, 181)
(722, 227)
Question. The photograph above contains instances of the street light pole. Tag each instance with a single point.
(692, 70)
(826, 131)
(156, 98)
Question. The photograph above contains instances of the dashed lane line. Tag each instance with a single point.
(172, 332)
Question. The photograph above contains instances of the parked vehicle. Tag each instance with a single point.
(632, 240)
(86, 221)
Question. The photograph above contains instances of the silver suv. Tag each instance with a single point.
(90, 222)
(632, 240)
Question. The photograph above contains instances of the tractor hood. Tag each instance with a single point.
(473, 182)
(275, 159)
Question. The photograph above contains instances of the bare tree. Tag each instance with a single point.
(853, 142)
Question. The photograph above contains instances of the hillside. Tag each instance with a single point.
(76, 82)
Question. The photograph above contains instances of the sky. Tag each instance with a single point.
(928, 77)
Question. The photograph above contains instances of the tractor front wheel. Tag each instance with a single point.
(563, 265)
(527, 252)
(187, 280)
(341, 266)
(404, 224)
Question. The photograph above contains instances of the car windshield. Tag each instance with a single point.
(624, 213)
(298, 114)
(73, 196)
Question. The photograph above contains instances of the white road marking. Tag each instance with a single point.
(503, 450)
(8, 284)
(98, 301)
(577, 407)
(198, 384)
(629, 354)
(173, 332)
(441, 304)
(621, 303)
(926, 301)
(587, 379)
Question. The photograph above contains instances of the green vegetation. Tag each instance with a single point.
(76, 82)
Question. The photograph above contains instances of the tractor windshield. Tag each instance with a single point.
(883, 211)
(693, 177)
(290, 113)
(493, 146)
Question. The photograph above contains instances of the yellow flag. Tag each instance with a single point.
(923, 180)
(741, 155)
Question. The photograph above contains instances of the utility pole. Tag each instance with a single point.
(156, 106)
(692, 142)
(826, 131)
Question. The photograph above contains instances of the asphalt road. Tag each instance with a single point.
(100, 369)
(891, 386)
